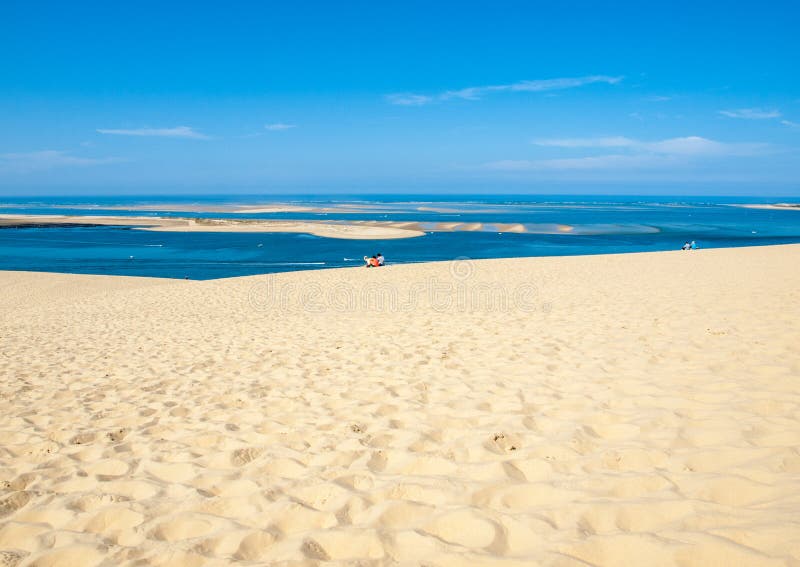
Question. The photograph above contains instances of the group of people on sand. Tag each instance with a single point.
(689, 245)
(375, 261)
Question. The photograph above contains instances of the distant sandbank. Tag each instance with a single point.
(359, 230)
(773, 206)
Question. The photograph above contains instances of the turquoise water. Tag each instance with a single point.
(602, 225)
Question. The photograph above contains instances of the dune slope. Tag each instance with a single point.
(599, 410)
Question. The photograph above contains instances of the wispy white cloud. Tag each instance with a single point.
(751, 113)
(279, 126)
(176, 132)
(604, 162)
(630, 153)
(409, 99)
(47, 159)
(688, 145)
(658, 98)
(790, 124)
(476, 93)
(609, 142)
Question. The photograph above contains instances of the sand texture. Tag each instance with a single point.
(638, 409)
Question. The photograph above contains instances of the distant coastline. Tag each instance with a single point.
(356, 230)
(359, 230)
(214, 237)
(773, 206)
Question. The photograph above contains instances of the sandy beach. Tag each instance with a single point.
(639, 409)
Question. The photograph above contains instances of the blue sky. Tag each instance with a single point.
(310, 97)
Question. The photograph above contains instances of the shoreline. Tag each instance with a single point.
(390, 266)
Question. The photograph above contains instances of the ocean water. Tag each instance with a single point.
(601, 225)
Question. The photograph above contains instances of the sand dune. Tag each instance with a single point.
(638, 409)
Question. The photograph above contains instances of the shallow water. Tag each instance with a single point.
(600, 225)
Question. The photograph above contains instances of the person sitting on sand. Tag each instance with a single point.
(686, 246)
(693, 245)
(381, 260)
(371, 262)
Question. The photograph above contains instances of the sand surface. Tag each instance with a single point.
(636, 409)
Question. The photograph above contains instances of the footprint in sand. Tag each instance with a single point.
(315, 551)
(182, 528)
(529, 470)
(21, 482)
(224, 543)
(523, 496)
(13, 503)
(114, 519)
(11, 558)
(342, 545)
(118, 434)
(285, 468)
(728, 491)
(297, 518)
(324, 497)
(41, 451)
(92, 502)
(83, 438)
(463, 527)
(405, 515)
(412, 548)
(377, 462)
(241, 457)
(106, 469)
(355, 482)
(172, 472)
(82, 555)
(612, 431)
(531, 424)
(624, 549)
(254, 546)
(503, 443)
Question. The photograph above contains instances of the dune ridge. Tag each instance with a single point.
(599, 410)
